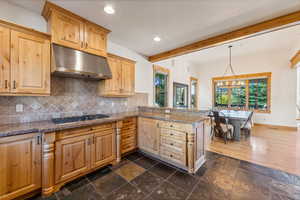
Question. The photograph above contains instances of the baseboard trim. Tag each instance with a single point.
(290, 128)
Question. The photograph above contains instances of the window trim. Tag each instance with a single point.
(174, 94)
(246, 77)
(197, 92)
(161, 70)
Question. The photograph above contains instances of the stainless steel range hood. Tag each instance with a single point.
(67, 62)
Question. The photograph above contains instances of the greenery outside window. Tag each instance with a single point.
(253, 94)
(160, 82)
(180, 95)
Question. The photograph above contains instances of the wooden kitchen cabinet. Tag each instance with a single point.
(128, 77)
(122, 83)
(95, 40)
(103, 150)
(30, 64)
(180, 144)
(148, 135)
(4, 59)
(72, 153)
(128, 135)
(24, 61)
(73, 157)
(70, 30)
(67, 30)
(20, 166)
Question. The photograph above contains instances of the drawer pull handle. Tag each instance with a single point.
(171, 125)
(171, 156)
(171, 134)
(6, 84)
(171, 144)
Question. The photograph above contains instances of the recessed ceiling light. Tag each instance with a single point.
(109, 9)
(156, 39)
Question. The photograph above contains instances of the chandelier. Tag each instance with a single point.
(234, 82)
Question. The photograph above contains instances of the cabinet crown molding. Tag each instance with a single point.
(49, 7)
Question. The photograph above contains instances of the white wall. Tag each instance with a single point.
(283, 86)
(34, 20)
(180, 72)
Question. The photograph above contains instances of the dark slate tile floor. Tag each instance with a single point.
(220, 178)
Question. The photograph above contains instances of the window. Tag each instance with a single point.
(161, 79)
(194, 92)
(252, 94)
(180, 95)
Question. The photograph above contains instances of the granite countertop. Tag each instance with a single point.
(49, 126)
(181, 118)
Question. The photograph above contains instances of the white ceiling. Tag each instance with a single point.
(286, 40)
(177, 22)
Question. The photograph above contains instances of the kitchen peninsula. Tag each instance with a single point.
(65, 151)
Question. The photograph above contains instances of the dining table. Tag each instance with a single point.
(236, 118)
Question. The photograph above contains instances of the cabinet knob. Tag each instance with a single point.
(171, 144)
(171, 156)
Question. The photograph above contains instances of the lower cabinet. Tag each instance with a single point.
(72, 153)
(128, 135)
(148, 135)
(103, 149)
(72, 157)
(180, 144)
(20, 165)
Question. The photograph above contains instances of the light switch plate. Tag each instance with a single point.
(19, 108)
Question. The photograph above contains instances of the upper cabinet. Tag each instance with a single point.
(66, 30)
(4, 59)
(30, 61)
(70, 30)
(24, 61)
(122, 83)
(95, 39)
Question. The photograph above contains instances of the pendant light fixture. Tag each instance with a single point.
(230, 72)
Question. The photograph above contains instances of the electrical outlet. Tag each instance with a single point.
(19, 108)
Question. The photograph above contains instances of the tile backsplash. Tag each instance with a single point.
(69, 97)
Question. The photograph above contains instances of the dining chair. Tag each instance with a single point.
(222, 127)
(247, 126)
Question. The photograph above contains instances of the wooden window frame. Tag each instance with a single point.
(161, 70)
(246, 77)
(197, 92)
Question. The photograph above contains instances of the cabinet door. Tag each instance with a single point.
(4, 59)
(104, 148)
(67, 31)
(30, 64)
(73, 157)
(95, 40)
(113, 85)
(128, 77)
(20, 165)
(148, 135)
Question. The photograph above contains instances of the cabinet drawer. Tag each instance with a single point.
(176, 126)
(128, 144)
(73, 132)
(170, 133)
(173, 155)
(127, 129)
(128, 135)
(104, 126)
(84, 130)
(175, 144)
(129, 123)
